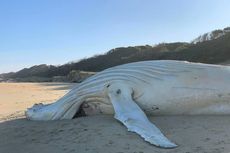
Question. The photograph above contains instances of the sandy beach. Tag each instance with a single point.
(96, 134)
(15, 98)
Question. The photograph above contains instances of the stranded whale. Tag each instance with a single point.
(163, 87)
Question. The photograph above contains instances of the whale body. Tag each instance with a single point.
(130, 91)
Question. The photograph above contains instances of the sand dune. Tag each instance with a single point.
(96, 134)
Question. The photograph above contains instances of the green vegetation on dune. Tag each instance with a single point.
(212, 51)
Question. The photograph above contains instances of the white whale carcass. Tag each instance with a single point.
(162, 87)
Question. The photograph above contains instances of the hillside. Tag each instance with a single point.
(213, 50)
(211, 35)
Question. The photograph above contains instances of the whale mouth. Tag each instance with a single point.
(80, 112)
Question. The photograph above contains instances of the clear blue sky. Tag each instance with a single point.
(58, 31)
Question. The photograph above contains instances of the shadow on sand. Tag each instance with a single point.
(94, 134)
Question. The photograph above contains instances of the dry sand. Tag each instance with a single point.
(96, 134)
(16, 97)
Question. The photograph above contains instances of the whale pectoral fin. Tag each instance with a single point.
(136, 121)
(131, 115)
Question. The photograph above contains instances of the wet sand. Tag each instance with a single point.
(96, 134)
